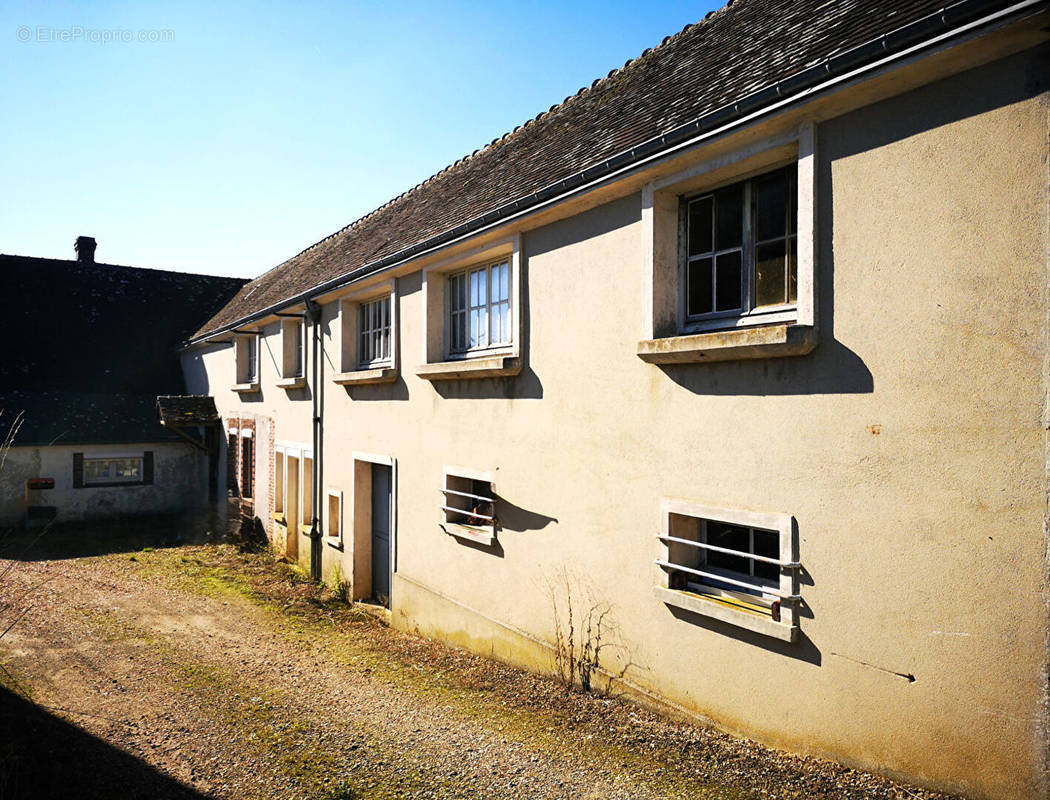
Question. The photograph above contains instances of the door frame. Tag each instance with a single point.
(386, 461)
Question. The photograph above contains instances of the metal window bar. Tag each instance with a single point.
(468, 494)
(757, 587)
(466, 512)
(730, 552)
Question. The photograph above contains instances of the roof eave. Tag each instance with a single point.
(961, 18)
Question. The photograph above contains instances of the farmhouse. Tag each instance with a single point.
(747, 343)
(89, 347)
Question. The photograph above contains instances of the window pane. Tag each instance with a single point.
(793, 272)
(460, 337)
(463, 292)
(729, 217)
(504, 281)
(483, 326)
(701, 234)
(473, 329)
(728, 282)
(494, 324)
(701, 287)
(767, 543)
(482, 287)
(771, 196)
(505, 316)
(731, 537)
(770, 274)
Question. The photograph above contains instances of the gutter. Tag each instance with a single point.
(962, 17)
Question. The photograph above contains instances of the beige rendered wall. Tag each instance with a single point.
(180, 482)
(909, 447)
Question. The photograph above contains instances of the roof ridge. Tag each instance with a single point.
(579, 92)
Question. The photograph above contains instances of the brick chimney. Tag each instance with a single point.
(85, 248)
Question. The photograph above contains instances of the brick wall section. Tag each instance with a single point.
(235, 463)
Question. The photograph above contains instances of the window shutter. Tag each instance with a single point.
(78, 470)
(147, 467)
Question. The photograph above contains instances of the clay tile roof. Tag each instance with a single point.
(728, 58)
(187, 410)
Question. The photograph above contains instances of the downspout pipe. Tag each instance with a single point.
(313, 315)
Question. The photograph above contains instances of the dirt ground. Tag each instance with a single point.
(165, 669)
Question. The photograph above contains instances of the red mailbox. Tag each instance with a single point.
(40, 483)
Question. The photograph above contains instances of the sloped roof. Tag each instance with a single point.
(88, 347)
(187, 410)
(735, 53)
(59, 418)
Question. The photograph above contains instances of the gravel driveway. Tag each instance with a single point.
(201, 671)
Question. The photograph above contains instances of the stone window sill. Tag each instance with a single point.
(485, 536)
(278, 517)
(245, 387)
(499, 366)
(291, 383)
(706, 607)
(361, 377)
(766, 341)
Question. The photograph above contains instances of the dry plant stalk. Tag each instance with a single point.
(584, 629)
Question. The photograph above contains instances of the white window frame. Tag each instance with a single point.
(353, 368)
(293, 350)
(442, 361)
(139, 457)
(668, 334)
(487, 305)
(336, 540)
(246, 362)
(727, 595)
(279, 486)
(483, 533)
(374, 328)
(747, 314)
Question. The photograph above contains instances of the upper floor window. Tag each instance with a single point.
(375, 339)
(741, 248)
(368, 336)
(730, 254)
(293, 350)
(247, 358)
(479, 306)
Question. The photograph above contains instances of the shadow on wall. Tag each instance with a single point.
(802, 650)
(518, 519)
(99, 537)
(44, 756)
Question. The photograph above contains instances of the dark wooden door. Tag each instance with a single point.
(382, 492)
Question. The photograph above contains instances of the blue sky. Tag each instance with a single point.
(248, 132)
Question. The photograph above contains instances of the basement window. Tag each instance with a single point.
(737, 566)
(468, 506)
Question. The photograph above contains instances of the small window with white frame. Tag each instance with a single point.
(334, 516)
(731, 255)
(480, 308)
(368, 349)
(740, 248)
(468, 508)
(738, 566)
(374, 324)
(295, 347)
(247, 359)
(112, 470)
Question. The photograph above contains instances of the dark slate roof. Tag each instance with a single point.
(87, 348)
(187, 410)
(733, 54)
(56, 417)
